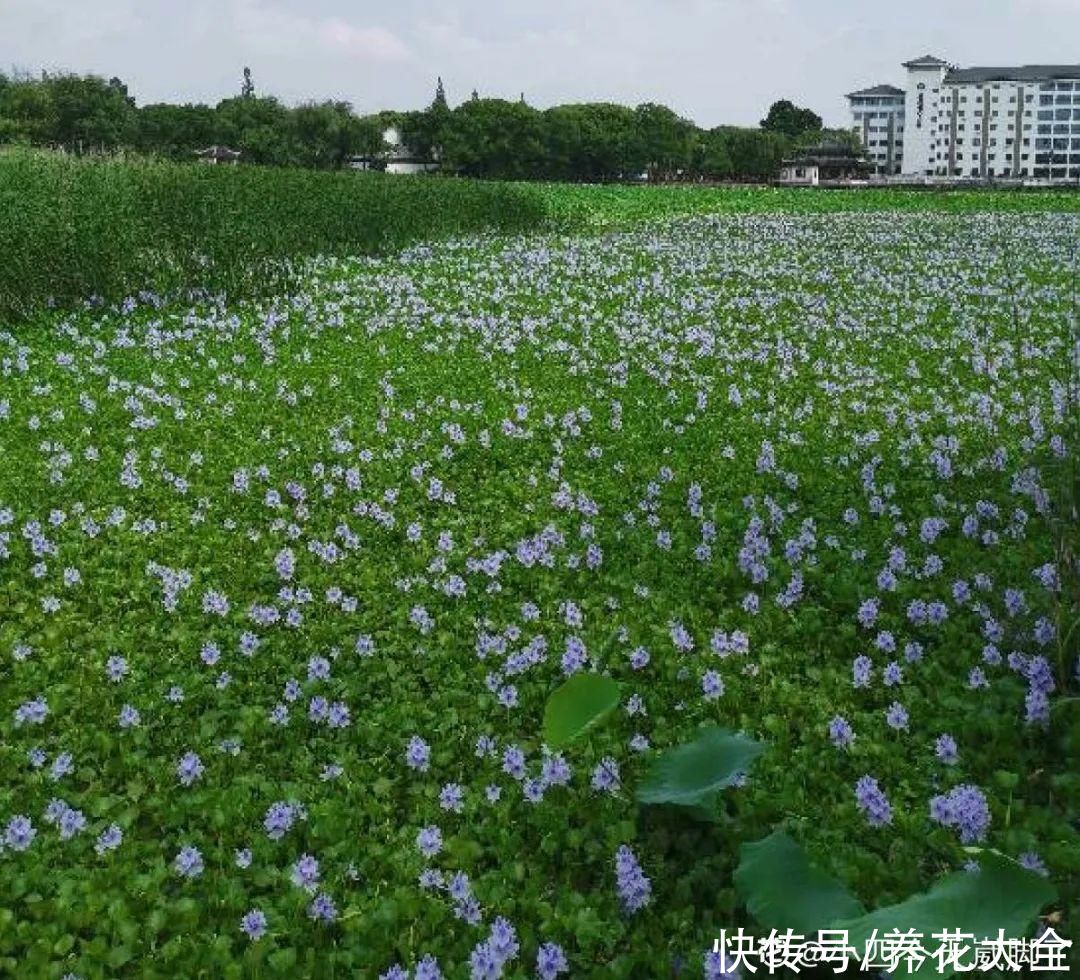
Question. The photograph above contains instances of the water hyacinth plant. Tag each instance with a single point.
(516, 605)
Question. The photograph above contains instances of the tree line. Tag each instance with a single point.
(481, 137)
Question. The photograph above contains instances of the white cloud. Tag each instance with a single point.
(279, 31)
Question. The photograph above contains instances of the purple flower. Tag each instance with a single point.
(896, 716)
(503, 940)
(189, 768)
(19, 833)
(712, 686)
(305, 873)
(189, 862)
(885, 641)
(71, 822)
(279, 818)
(868, 612)
(1032, 862)
(871, 800)
(428, 969)
(109, 839)
(633, 887)
(551, 961)
(861, 669)
(514, 762)
(945, 748)
(680, 637)
(418, 754)
(605, 777)
(965, 808)
(62, 766)
(429, 841)
(840, 732)
(322, 909)
(253, 925)
(452, 797)
(32, 712)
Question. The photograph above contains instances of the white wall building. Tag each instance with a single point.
(878, 120)
(1020, 123)
(397, 159)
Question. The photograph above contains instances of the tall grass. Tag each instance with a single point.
(71, 229)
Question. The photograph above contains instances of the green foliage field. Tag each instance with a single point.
(541, 603)
(73, 228)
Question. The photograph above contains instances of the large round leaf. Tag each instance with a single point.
(783, 890)
(691, 774)
(577, 705)
(1000, 895)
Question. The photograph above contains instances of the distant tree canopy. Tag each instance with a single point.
(790, 120)
(480, 137)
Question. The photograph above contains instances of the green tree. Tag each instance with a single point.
(755, 154)
(839, 137)
(86, 112)
(495, 138)
(27, 111)
(174, 131)
(666, 140)
(712, 156)
(327, 133)
(789, 119)
(260, 127)
(439, 102)
(593, 141)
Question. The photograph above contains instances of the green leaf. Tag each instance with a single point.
(1000, 895)
(783, 890)
(282, 960)
(576, 706)
(692, 774)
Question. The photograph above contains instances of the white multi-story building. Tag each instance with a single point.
(878, 120)
(983, 123)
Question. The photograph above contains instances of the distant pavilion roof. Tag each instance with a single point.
(829, 153)
(218, 153)
(926, 61)
(1022, 73)
(876, 90)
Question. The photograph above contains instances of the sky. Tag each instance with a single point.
(713, 61)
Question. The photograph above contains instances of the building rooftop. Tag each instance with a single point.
(1022, 73)
(926, 61)
(827, 152)
(878, 90)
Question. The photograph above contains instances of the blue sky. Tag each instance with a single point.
(715, 61)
